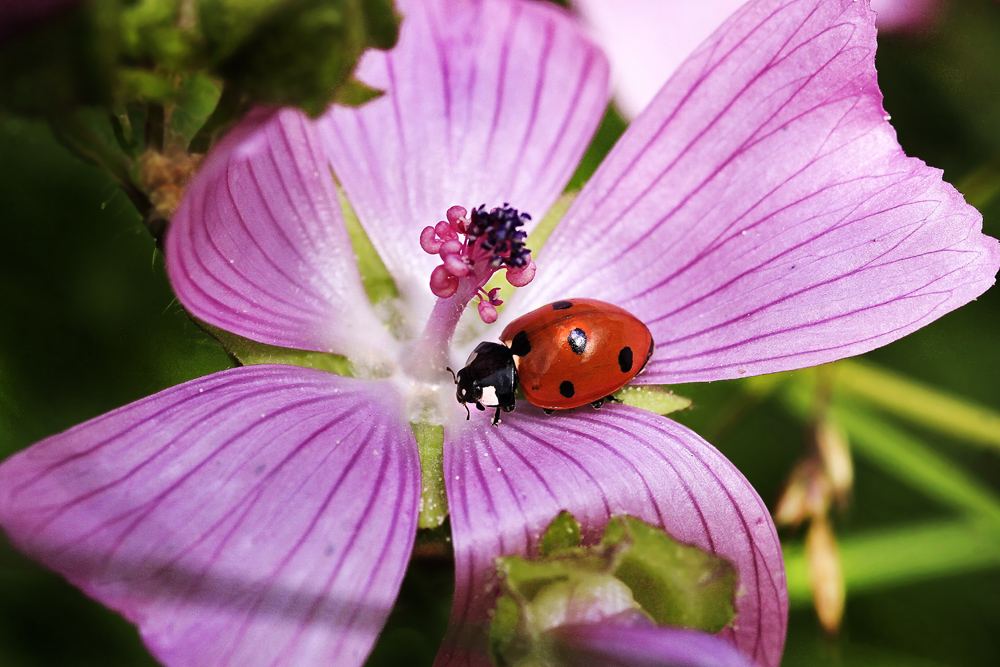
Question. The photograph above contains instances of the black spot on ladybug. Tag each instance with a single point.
(625, 359)
(562, 305)
(520, 346)
(567, 389)
(577, 340)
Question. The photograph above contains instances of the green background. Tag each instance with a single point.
(88, 323)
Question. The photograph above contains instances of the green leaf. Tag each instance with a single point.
(900, 556)
(293, 52)
(382, 21)
(249, 352)
(919, 403)
(197, 97)
(636, 570)
(674, 583)
(657, 399)
(433, 495)
(910, 459)
(562, 533)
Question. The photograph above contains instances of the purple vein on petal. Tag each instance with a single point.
(620, 461)
(760, 215)
(258, 245)
(259, 516)
(485, 103)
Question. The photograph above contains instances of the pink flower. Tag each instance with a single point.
(758, 217)
(647, 40)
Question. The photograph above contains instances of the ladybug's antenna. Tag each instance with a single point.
(468, 415)
(453, 376)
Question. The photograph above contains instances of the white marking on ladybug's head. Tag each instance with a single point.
(489, 397)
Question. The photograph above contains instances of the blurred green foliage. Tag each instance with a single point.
(115, 52)
(89, 324)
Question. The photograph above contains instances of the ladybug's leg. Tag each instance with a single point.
(496, 416)
(548, 411)
(607, 399)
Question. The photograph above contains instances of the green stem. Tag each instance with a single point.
(85, 144)
(919, 403)
(886, 558)
(982, 185)
(155, 120)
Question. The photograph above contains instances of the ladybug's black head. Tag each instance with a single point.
(488, 379)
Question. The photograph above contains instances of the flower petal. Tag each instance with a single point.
(506, 484)
(647, 40)
(611, 645)
(259, 247)
(258, 516)
(486, 103)
(905, 15)
(760, 216)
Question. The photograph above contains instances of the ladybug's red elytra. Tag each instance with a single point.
(564, 355)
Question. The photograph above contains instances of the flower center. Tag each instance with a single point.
(473, 247)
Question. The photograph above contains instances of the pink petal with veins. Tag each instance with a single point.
(259, 247)
(760, 215)
(647, 40)
(506, 484)
(485, 103)
(261, 516)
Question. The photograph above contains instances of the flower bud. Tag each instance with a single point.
(826, 577)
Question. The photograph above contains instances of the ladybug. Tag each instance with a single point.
(564, 355)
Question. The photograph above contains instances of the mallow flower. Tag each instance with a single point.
(647, 40)
(759, 216)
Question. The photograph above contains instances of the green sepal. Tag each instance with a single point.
(636, 571)
(541, 233)
(249, 352)
(657, 399)
(353, 93)
(562, 533)
(433, 494)
(504, 630)
(674, 583)
(375, 277)
(540, 595)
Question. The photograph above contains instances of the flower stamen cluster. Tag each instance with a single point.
(475, 246)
